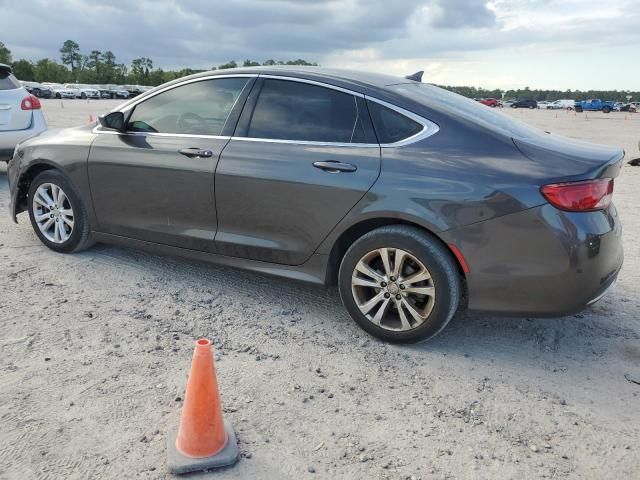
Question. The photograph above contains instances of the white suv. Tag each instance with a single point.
(20, 114)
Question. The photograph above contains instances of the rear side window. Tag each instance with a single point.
(8, 81)
(390, 125)
(198, 108)
(296, 111)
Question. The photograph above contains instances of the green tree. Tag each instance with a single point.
(269, 62)
(231, 64)
(250, 63)
(70, 54)
(5, 54)
(23, 69)
(46, 70)
(95, 63)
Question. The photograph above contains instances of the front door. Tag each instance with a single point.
(155, 182)
(302, 157)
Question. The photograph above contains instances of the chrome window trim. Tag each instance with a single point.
(98, 129)
(429, 128)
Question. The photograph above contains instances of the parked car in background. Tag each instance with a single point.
(542, 104)
(524, 104)
(83, 91)
(134, 90)
(491, 102)
(561, 105)
(37, 89)
(409, 233)
(20, 113)
(60, 91)
(103, 89)
(509, 102)
(117, 92)
(594, 105)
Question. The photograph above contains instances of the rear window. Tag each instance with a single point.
(390, 125)
(440, 99)
(8, 81)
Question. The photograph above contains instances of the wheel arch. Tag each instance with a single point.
(346, 238)
(26, 178)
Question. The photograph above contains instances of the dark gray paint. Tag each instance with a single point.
(470, 184)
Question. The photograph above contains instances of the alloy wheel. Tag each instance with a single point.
(53, 213)
(393, 289)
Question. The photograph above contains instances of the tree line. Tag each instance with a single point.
(100, 67)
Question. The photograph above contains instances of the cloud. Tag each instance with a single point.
(504, 37)
(463, 13)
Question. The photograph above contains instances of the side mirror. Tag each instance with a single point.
(112, 121)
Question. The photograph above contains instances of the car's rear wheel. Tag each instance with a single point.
(57, 214)
(400, 284)
(606, 110)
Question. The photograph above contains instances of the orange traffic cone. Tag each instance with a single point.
(204, 440)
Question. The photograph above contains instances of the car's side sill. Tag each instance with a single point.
(312, 271)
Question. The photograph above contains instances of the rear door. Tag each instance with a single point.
(12, 117)
(303, 155)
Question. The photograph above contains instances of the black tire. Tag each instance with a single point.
(80, 238)
(436, 257)
(606, 109)
(579, 109)
(58, 95)
(83, 96)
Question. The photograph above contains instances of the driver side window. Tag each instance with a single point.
(198, 108)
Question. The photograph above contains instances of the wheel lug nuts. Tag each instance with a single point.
(398, 297)
(393, 279)
(383, 284)
(386, 295)
(401, 287)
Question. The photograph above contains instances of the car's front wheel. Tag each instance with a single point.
(57, 213)
(400, 284)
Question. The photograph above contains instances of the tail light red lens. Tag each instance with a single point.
(586, 196)
(30, 103)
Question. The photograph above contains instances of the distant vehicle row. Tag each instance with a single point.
(591, 105)
(79, 90)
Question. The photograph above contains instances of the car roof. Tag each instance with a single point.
(358, 81)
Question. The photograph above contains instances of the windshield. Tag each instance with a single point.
(440, 99)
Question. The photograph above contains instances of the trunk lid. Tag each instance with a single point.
(567, 160)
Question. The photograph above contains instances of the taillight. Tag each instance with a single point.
(585, 196)
(30, 103)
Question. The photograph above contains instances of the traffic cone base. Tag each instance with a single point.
(179, 463)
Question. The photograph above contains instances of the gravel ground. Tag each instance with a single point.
(95, 350)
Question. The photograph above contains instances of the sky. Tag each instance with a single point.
(550, 44)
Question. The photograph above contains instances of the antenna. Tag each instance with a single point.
(415, 76)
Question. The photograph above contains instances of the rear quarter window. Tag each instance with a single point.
(8, 81)
(391, 126)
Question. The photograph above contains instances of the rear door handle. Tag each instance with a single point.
(196, 153)
(333, 166)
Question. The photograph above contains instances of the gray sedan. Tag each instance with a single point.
(415, 201)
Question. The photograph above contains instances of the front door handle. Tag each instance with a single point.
(196, 153)
(333, 166)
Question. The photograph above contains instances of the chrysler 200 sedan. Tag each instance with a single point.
(415, 201)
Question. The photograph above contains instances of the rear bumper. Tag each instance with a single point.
(9, 139)
(540, 262)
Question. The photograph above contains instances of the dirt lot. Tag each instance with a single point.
(95, 350)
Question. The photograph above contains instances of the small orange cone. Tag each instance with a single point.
(91, 119)
(204, 440)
